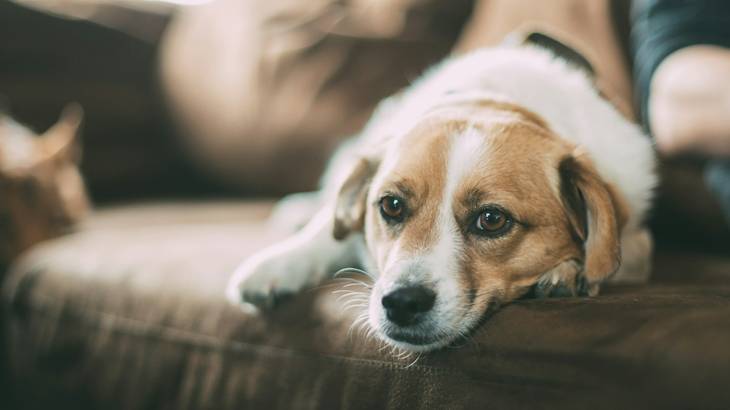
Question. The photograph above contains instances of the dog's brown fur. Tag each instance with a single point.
(562, 209)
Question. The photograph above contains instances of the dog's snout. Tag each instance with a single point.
(404, 306)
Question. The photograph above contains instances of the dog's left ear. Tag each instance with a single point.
(596, 216)
(350, 206)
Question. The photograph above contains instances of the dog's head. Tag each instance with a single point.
(469, 211)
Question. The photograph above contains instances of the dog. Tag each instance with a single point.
(498, 174)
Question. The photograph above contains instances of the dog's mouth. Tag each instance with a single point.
(411, 338)
(432, 334)
(414, 342)
(418, 338)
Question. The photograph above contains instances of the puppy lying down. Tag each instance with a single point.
(498, 173)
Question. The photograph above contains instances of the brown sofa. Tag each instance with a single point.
(128, 312)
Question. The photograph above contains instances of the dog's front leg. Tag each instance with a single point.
(304, 259)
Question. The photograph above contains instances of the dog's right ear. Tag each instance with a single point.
(350, 206)
(596, 216)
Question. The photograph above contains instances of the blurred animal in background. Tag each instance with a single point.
(42, 193)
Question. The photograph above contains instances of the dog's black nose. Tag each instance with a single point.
(404, 306)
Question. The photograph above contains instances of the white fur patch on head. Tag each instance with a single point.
(465, 151)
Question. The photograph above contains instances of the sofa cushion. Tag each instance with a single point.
(129, 313)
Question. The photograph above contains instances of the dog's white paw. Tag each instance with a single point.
(267, 278)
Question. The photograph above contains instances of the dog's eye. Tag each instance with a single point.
(492, 222)
(392, 208)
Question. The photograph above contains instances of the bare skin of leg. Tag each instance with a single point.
(585, 25)
(689, 103)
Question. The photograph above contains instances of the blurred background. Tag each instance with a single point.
(102, 55)
(190, 98)
(160, 131)
(216, 68)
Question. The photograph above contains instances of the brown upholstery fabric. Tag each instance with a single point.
(128, 313)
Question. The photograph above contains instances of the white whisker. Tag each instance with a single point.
(418, 356)
(353, 306)
(343, 296)
(352, 270)
(358, 323)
